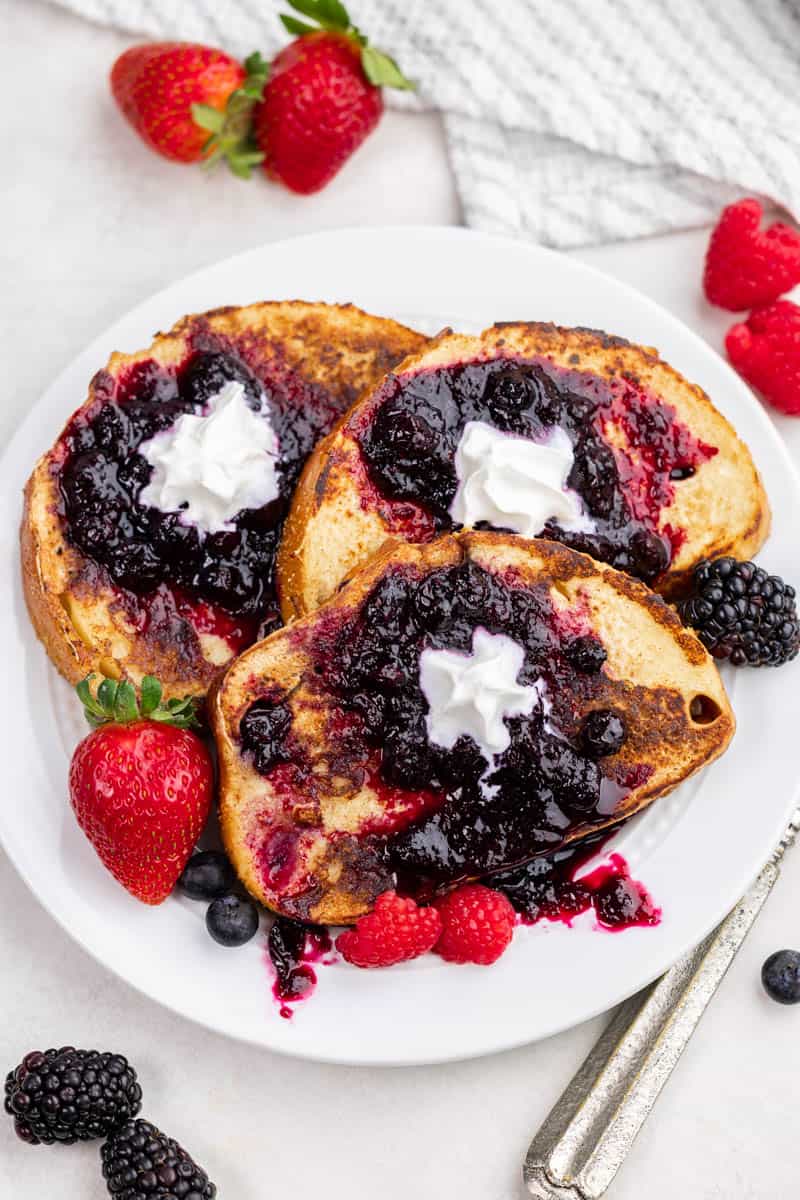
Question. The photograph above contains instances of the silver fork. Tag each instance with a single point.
(590, 1129)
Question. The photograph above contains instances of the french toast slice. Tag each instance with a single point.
(116, 586)
(657, 478)
(334, 783)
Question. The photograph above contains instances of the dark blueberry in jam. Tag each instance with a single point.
(650, 554)
(406, 447)
(586, 654)
(780, 976)
(263, 730)
(603, 733)
(208, 373)
(573, 780)
(595, 477)
(232, 920)
(407, 759)
(621, 901)
(207, 875)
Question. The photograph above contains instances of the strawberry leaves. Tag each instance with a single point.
(329, 14)
(380, 69)
(230, 129)
(116, 703)
(383, 71)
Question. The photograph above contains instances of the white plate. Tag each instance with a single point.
(696, 850)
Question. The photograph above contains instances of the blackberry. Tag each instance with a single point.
(142, 1163)
(742, 614)
(70, 1095)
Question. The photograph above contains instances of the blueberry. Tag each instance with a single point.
(262, 730)
(586, 654)
(650, 553)
(232, 920)
(209, 372)
(603, 733)
(780, 976)
(207, 875)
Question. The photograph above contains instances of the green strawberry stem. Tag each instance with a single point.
(379, 68)
(116, 703)
(230, 130)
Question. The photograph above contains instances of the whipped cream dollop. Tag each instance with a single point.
(472, 694)
(514, 483)
(213, 464)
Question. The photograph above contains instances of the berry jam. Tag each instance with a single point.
(553, 888)
(223, 582)
(292, 947)
(465, 817)
(629, 449)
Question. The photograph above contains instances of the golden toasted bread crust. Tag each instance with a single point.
(334, 525)
(657, 672)
(74, 609)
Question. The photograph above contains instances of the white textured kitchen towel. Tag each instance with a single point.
(570, 121)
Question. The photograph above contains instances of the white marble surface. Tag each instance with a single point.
(92, 224)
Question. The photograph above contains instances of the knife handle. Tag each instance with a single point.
(590, 1129)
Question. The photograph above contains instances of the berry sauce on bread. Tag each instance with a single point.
(628, 449)
(156, 556)
(340, 779)
(567, 434)
(120, 575)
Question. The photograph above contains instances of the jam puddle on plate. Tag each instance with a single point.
(558, 888)
(291, 949)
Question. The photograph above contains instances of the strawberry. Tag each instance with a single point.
(323, 97)
(395, 931)
(765, 350)
(191, 102)
(140, 784)
(747, 265)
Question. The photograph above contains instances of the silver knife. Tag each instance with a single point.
(590, 1129)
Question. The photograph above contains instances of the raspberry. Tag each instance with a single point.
(765, 349)
(478, 924)
(746, 265)
(396, 930)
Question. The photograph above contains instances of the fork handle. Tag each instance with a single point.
(590, 1129)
